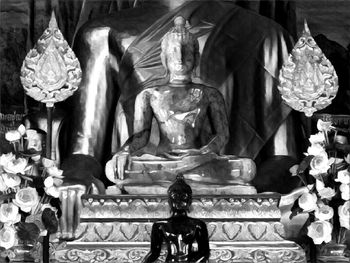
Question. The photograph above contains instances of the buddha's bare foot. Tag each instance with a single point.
(243, 170)
(71, 206)
(80, 174)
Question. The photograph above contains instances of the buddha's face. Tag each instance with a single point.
(179, 200)
(180, 57)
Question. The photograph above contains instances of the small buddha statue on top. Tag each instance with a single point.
(179, 232)
(193, 129)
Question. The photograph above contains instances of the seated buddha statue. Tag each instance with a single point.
(241, 54)
(180, 109)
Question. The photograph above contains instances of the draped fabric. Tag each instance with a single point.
(251, 53)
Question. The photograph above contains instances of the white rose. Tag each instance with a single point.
(344, 215)
(8, 237)
(51, 184)
(316, 149)
(317, 138)
(345, 191)
(327, 193)
(21, 129)
(343, 177)
(319, 185)
(347, 158)
(307, 202)
(333, 160)
(16, 166)
(48, 162)
(5, 158)
(320, 231)
(13, 136)
(324, 125)
(52, 191)
(3, 186)
(52, 181)
(11, 180)
(55, 172)
(48, 182)
(35, 158)
(26, 199)
(9, 214)
(319, 164)
(324, 212)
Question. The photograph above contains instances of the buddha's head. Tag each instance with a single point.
(180, 52)
(180, 196)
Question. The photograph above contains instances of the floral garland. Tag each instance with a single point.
(29, 204)
(326, 200)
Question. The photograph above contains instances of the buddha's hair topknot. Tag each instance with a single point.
(180, 185)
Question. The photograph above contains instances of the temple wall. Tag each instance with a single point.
(23, 21)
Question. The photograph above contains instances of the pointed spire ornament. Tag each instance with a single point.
(307, 80)
(51, 72)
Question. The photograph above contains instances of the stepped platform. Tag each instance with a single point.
(242, 228)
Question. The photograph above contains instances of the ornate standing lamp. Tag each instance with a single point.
(308, 81)
(50, 72)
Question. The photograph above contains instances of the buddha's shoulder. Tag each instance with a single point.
(168, 89)
(197, 222)
(209, 91)
(161, 89)
(160, 223)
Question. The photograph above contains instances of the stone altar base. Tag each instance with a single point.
(241, 229)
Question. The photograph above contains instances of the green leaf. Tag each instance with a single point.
(305, 163)
(295, 209)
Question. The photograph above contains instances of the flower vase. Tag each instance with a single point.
(332, 253)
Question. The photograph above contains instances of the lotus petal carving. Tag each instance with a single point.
(232, 230)
(308, 81)
(129, 231)
(51, 72)
(257, 231)
(104, 231)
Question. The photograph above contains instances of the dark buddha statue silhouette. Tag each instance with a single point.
(179, 232)
(241, 54)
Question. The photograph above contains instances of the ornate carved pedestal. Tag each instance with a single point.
(241, 229)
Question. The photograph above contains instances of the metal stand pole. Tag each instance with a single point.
(49, 132)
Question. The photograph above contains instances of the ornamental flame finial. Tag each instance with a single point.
(308, 81)
(51, 72)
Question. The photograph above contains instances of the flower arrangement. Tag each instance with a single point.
(29, 203)
(326, 199)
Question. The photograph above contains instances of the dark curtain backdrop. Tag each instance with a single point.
(23, 21)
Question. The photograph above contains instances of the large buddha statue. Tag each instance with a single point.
(241, 53)
(181, 109)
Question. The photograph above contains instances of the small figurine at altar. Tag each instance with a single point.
(193, 130)
(186, 238)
